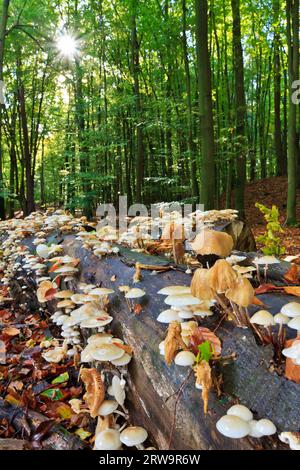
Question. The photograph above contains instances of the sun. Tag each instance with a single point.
(67, 46)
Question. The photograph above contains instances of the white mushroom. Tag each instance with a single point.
(109, 439)
(169, 315)
(233, 427)
(292, 309)
(182, 300)
(295, 324)
(175, 290)
(133, 436)
(291, 438)
(265, 427)
(241, 411)
(253, 429)
(184, 358)
(107, 407)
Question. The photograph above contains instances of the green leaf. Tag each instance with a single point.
(53, 393)
(60, 379)
(205, 352)
(82, 433)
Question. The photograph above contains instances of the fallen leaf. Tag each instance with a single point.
(82, 433)
(200, 335)
(173, 342)
(95, 391)
(203, 378)
(11, 331)
(258, 302)
(293, 274)
(137, 309)
(292, 290)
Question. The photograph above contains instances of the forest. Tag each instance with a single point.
(105, 98)
(149, 229)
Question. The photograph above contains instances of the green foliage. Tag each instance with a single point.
(270, 240)
(205, 353)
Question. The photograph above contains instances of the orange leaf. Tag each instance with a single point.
(137, 309)
(263, 288)
(292, 371)
(258, 302)
(293, 290)
(54, 267)
(293, 274)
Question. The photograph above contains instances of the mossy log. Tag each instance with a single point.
(248, 379)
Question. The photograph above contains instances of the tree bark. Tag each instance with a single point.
(205, 106)
(3, 23)
(292, 9)
(240, 104)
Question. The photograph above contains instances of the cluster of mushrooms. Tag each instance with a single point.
(221, 285)
(79, 310)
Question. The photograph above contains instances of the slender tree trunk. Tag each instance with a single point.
(280, 157)
(3, 23)
(292, 9)
(240, 104)
(191, 145)
(138, 106)
(205, 107)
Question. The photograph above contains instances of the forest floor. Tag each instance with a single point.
(272, 191)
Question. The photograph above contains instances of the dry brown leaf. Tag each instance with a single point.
(292, 371)
(45, 291)
(203, 378)
(95, 391)
(11, 331)
(293, 290)
(258, 302)
(173, 342)
(293, 274)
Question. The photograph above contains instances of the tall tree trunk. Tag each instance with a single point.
(240, 105)
(191, 145)
(3, 23)
(138, 105)
(280, 156)
(205, 107)
(292, 9)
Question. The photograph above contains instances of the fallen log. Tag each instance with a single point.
(248, 379)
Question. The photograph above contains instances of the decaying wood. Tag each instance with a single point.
(248, 379)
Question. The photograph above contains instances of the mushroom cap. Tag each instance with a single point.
(290, 438)
(292, 309)
(100, 291)
(221, 276)
(293, 351)
(167, 316)
(294, 323)
(200, 287)
(95, 322)
(185, 358)
(281, 319)
(265, 427)
(43, 251)
(262, 318)
(185, 314)
(241, 411)
(107, 407)
(63, 294)
(106, 352)
(109, 439)
(81, 298)
(182, 300)
(265, 260)
(100, 338)
(122, 361)
(133, 436)
(241, 293)
(135, 293)
(233, 427)
(253, 429)
(211, 242)
(174, 290)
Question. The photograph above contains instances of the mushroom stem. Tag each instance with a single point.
(129, 304)
(265, 272)
(257, 272)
